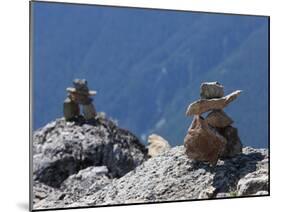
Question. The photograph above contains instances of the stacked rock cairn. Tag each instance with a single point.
(79, 95)
(212, 137)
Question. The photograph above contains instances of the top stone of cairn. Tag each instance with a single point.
(81, 88)
(210, 90)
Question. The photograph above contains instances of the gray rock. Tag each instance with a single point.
(209, 90)
(254, 182)
(42, 191)
(81, 84)
(261, 193)
(101, 164)
(173, 176)
(63, 148)
(81, 87)
(85, 182)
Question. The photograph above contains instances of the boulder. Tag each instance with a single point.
(233, 144)
(157, 145)
(204, 105)
(61, 149)
(210, 90)
(42, 191)
(253, 183)
(218, 119)
(85, 182)
(203, 143)
(171, 176)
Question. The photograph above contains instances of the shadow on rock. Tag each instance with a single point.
(62, 148)
(227, 172)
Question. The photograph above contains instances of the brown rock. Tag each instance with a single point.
(233, 144)
(209, 90)
(203, 143)
(70, 109)
(204, 105)
(219, 119)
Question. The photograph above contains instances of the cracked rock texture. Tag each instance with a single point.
(73, 159)
(61, 149)
(101, 164)
(173, 176)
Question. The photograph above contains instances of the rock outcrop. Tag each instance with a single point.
(61, 149)
(87, 160)
(173, 176)
(169, 176)
(213, 137)
(93, 178)
(85, 182)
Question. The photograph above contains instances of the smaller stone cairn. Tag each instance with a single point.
(79, 95)
(213, 137)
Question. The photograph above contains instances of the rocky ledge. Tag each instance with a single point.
(72, 157)
(100, 164)
(172, 176)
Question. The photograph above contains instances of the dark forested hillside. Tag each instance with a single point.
(147, 65)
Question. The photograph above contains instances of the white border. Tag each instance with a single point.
(14, 116)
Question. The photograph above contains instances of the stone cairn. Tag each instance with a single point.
(213, 137)
(79, 95)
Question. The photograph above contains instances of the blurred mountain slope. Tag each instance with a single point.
(147, 65)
